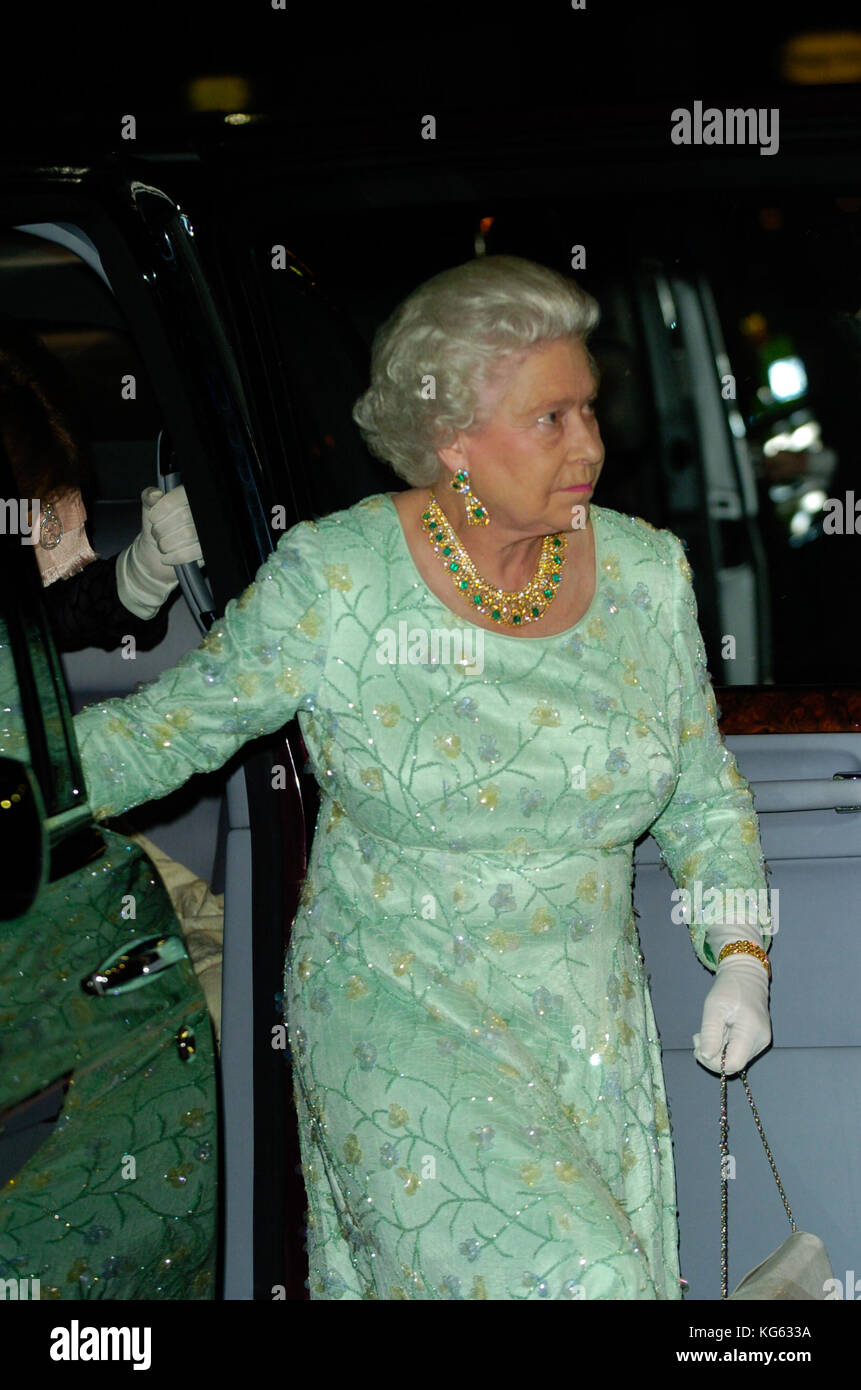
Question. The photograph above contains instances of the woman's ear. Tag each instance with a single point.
(452, 457)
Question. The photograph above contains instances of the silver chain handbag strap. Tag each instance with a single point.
(724, 1150)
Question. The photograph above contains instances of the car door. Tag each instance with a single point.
(807, 1086)
(143, 246)
(710, 493)
(108, 1106)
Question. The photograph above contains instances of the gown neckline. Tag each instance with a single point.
(594, 516)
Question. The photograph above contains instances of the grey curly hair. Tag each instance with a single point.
(435, 357)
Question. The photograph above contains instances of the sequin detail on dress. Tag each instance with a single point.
(478, 1073)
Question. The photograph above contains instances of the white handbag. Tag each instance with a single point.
(799, 1268)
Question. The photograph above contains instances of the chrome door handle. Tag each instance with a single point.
(847, 777)
(808, 794)
(135, 965)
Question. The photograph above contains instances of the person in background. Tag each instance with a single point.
(91, 600)
(99, 601)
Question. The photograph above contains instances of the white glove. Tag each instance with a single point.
(145, 573)
(736, 1007)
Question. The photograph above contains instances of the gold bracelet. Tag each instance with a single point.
(749, 948)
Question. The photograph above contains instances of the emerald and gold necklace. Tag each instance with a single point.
(508, 608)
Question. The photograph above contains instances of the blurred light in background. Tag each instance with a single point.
(754, 326)
(820, 59)
(484, 226)
(814, 500)
(787, 378)
(229, 92)
(807, 436)
(770, 219)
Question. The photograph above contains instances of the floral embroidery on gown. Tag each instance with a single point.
(477, 1067)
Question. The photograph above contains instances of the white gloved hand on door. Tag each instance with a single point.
(168, 537)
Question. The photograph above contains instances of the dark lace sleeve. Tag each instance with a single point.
(85, 611)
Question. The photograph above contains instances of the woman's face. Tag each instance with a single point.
(541, 439)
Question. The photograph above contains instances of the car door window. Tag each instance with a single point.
(35, 718)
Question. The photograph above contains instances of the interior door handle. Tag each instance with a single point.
(195, 589)
(809, 794)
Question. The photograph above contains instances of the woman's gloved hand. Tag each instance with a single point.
(145, 573)
(736, 1007)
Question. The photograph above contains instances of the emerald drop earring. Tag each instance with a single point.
(476, 512)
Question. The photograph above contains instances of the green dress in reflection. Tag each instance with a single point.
(477, 1067)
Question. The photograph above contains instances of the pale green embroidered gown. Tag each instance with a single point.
(478, 1072)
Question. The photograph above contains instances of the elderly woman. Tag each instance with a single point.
(477, 1067)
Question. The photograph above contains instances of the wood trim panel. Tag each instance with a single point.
(785, 709)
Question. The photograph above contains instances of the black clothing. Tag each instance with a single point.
(85, 611)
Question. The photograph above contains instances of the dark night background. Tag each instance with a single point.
(320, 63)
(554, 120)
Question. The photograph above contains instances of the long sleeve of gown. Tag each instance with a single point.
(708, 832)
(248, 677)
